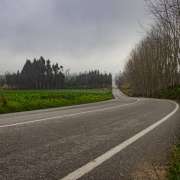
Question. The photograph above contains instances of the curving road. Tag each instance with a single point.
(124, 138)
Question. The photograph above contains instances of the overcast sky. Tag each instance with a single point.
(79, 34)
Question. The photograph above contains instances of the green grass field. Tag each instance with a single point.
(174, 170)
(25, 100)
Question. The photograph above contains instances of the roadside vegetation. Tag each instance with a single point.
(25, 100)
(153, 66)
(170, 93)
(43, 84)
(174, 169)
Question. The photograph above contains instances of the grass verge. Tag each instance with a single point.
(25, 100)
(170, 93)
(174, 169)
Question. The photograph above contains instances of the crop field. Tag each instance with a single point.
(25, 100)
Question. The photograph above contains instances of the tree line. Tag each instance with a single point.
(42, 74)
(154, 63)
(91, 79)
(37, 74)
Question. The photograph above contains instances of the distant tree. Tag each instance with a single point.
(91, 79)
(49, 74)
(2, 80)
(41, 74)
(37, 74)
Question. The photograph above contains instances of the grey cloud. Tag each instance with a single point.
(78, 30)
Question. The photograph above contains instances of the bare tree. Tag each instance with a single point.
(154, 63)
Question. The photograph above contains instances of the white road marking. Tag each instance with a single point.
(66, 115)
(109, 154)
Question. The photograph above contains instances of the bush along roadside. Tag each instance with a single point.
(170, 93)
(174, 169)
(3, 99)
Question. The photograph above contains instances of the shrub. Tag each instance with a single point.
(3, 100)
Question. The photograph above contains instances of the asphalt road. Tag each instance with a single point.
(124, 138)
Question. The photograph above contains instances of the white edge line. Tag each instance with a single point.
(104, 157)
(66, 115)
